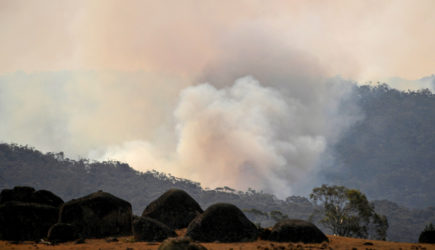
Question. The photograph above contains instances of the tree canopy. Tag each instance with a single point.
(347, 212)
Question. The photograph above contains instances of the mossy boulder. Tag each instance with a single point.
(27, 214)
(30, 195)
(175, 208)
(98, 215)
(21, 221)
(291, 230)
(148, 229)
(222, 222)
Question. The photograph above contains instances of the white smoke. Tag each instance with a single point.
(138, 107)
(244, 135)
(270, 131)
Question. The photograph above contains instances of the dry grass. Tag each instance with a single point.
(127, 243)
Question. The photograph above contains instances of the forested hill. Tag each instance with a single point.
(72, 179)
(25, 166)
(390, 154)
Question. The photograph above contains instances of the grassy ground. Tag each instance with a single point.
(127, 243)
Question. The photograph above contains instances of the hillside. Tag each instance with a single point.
(389, 154)
(71, 179)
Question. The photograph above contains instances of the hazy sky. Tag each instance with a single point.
(236, 93)
(354, 39)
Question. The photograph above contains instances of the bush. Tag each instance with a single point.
(428, 234)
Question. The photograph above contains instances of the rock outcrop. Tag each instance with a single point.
(297, 231)
(148, 229)
(222, 222)
(30, 195)
(98, 215)
(175, 208)
(26, 214)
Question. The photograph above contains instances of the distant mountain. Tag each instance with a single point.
(22, 165)
(390, 154)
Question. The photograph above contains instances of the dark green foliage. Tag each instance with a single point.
(175, 208)
(297, 231)
(222, 222)
(347, 212)
(428, 234)
(98, 215)
(148, 229)
(26, 221)
(388, 154)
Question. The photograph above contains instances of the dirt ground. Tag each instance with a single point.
(127, 243)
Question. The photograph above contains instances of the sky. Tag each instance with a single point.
(204, 89)
(354, 39)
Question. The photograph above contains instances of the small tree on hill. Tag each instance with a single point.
(428, 234)
(347, 212)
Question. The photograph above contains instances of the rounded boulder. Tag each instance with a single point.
(26, 214)
(30, 195)
(148, 229)
(175, 208)
(26, 221)
(297, 231)
(222, 222)
(98, 215)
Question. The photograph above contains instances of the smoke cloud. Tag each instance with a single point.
(233, 136)
(269, 137)
(224, 93)
(362, 40)
(82, 111)
(244, 135)
(264, 117)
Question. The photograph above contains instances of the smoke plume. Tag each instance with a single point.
(243, 135)
(261, 115)
(225, 93)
